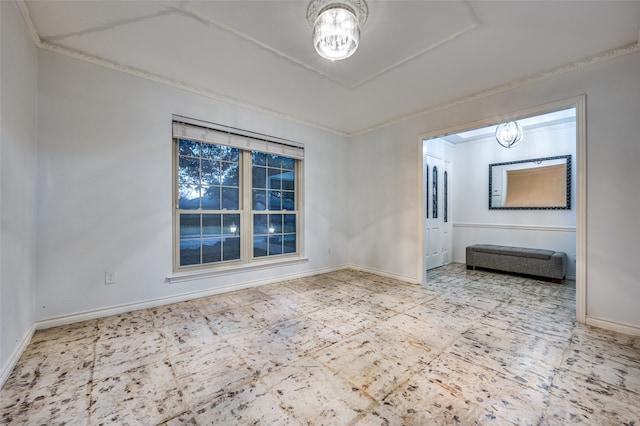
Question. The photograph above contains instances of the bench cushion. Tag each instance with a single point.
(513, 251)
(523, 260)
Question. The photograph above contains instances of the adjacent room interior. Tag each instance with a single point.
(220, 212)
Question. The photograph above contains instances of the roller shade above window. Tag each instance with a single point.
(188, 129)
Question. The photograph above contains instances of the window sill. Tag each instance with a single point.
(228, 270)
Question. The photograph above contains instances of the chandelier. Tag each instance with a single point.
(509, 134)
(336, 26)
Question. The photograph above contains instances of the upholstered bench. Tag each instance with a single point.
(541, 263)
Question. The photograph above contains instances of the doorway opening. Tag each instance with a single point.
(466, 153)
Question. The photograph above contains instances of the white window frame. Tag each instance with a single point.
(247, 142)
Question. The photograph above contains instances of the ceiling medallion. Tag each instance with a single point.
(509, 134)
(336, 26)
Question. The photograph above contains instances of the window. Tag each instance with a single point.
(446, 197)
(434, 201)
(237, 197)
(273, 190)
(426, 184)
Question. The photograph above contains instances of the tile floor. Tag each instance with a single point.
(344, 348)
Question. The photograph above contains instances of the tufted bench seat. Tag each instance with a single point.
(541, 263)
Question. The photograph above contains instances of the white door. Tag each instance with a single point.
(437, 232)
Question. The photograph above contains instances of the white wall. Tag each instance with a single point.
(474, 223)
(385, 202)
(385, 182)
(18, 121)
(105, 155)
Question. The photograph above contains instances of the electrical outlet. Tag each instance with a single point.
(110, 277)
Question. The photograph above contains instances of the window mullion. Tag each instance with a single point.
(246, 215)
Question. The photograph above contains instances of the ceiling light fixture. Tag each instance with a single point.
(509, 134)
(336, 26)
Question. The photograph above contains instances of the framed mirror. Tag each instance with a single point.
(535, 184)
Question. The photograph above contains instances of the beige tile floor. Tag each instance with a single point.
(344, 348)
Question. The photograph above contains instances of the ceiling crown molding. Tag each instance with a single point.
(590, 60)
(26, 15)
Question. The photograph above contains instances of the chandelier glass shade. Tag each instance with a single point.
(336, 26)
(509, 134)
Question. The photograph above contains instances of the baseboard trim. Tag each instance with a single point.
(384, 274)
(152, 303)
(614, 326)
(8, 367)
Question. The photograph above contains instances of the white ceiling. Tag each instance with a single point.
(414, 56)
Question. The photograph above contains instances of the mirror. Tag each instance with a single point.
(538, 183)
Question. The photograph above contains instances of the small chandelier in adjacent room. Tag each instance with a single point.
(336, 26)
(509, 134)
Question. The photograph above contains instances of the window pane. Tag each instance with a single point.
(275, 224)
(189, 226)
(189, 252)
(274, 160)
(209, 151)
(211, 250)
(189, 170)
(426, 184)
(229, 174)
(275, 245)
(259, 200)
(230, 198)
(260, 224)
(211, 198)
(445, 197)
(210, 172)
(288, 163)
(187, 147)
(288, 181)
(211, 225)
(289, 245)
(275, 203)
(188, 197)
(231, 248)
(259, 246)
(231, 224)
(289, 223)
(434, 200)
(275, 179)
(259, 177)
(288, 202)
(259, 158)
(226, 153)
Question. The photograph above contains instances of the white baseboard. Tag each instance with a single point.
(15, 356)
(614, 326)
(411, 280)
(152, 303)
